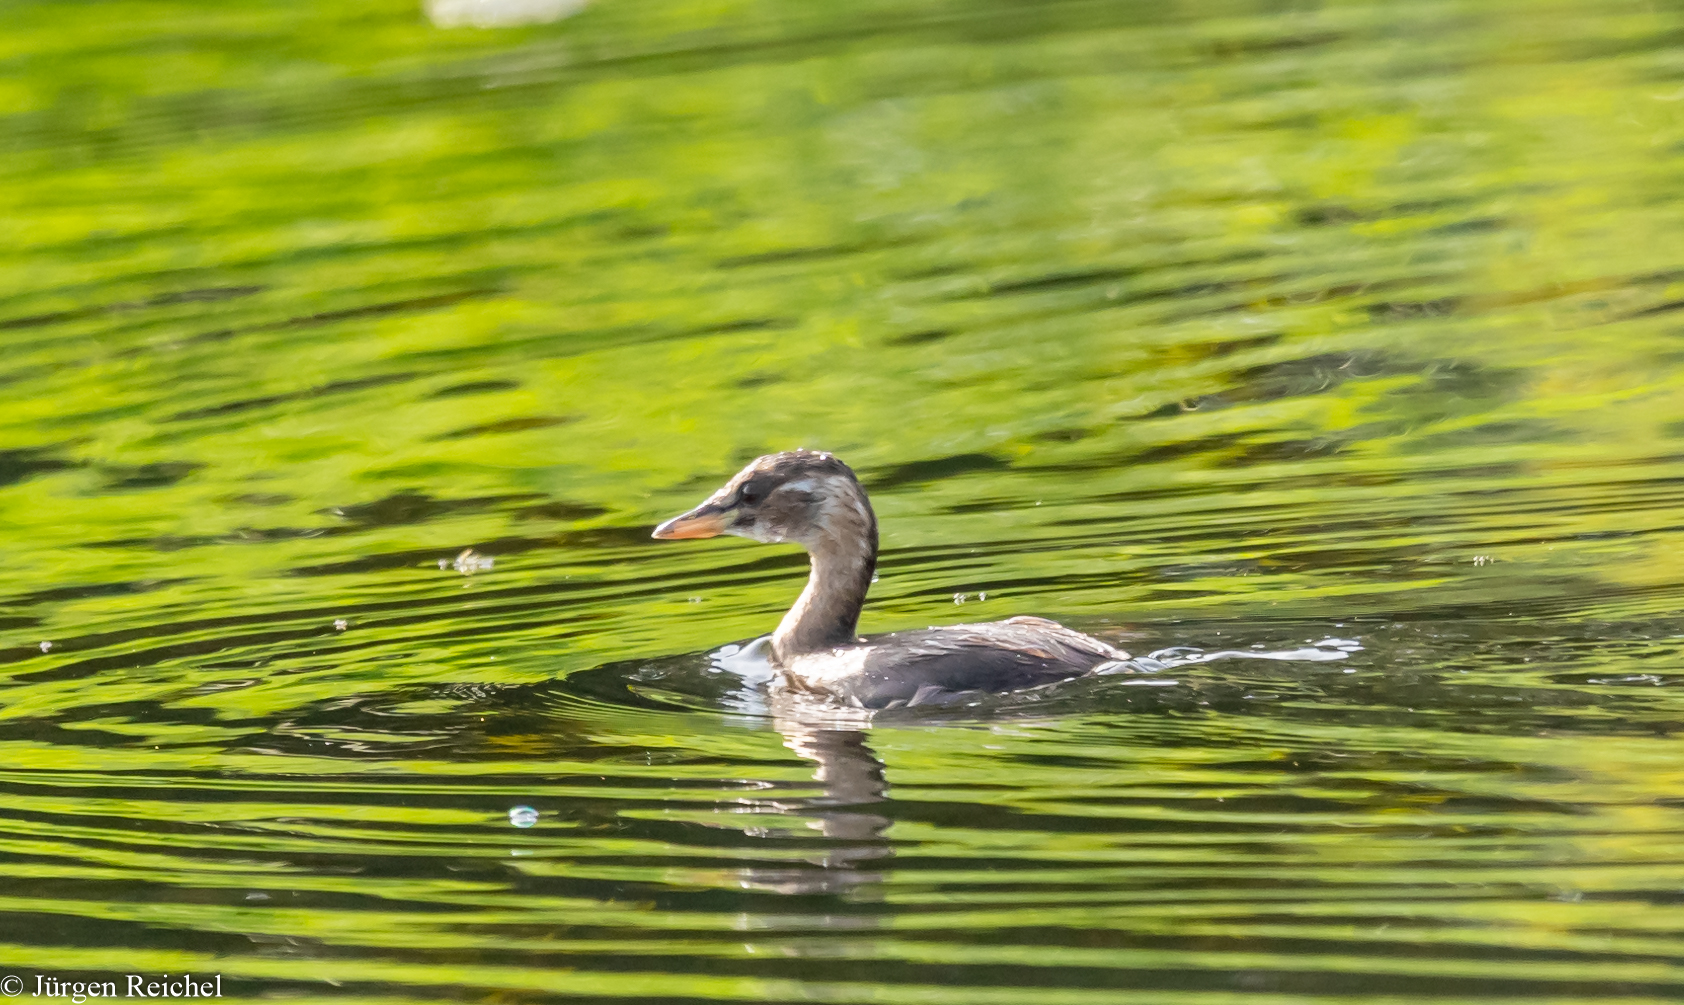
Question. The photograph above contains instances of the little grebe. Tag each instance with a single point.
(812, 499)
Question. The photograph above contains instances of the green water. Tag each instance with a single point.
(1347, 333)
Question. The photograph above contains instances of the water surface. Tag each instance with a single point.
(1345, 333)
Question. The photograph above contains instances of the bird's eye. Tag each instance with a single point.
(750, 494)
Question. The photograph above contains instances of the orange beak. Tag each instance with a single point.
(703, 521)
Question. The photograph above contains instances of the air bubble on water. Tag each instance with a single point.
(958, 598)
(523, 816)
(46, 647)
(340, 624)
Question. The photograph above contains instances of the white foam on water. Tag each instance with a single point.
(1324, 651)
(751, 662)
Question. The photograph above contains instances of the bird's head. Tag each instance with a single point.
(800, 496)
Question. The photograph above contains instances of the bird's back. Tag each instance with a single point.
(939, 665)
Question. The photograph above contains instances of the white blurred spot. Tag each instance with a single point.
(498, 13)
(46, 647)
(340, 624)
(470, 562)
(958, 598)
(523, 816)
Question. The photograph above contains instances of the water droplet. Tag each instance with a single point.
(523, 816)
(46, 647)
(340, 624)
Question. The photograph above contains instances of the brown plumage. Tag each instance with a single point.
(812, 499)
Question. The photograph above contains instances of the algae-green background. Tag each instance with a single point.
(1182, 318)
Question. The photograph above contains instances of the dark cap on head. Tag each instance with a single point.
(788, 496)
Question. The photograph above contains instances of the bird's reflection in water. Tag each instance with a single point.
(851, 782)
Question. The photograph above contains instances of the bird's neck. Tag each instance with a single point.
(828, 610)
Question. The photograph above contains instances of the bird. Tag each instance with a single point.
(811, 498)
